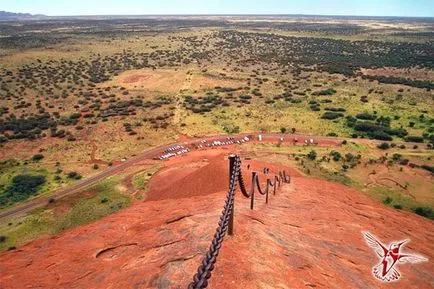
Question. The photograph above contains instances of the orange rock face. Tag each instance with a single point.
(308, 236)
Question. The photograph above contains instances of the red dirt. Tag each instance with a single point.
(308, 236)
(136, 78)
(183, 137)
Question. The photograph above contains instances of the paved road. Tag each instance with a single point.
(42, 201)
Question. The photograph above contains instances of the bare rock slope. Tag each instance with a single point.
(308, 236)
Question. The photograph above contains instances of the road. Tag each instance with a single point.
(43, 200)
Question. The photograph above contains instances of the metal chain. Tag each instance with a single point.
(200, 279)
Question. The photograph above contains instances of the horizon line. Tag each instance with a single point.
(222, 14)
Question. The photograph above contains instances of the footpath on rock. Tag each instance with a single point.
(309, 235)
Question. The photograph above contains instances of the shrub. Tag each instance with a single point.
(231, 129)
(329, 91)
(70, 138)
(21, 188)
(283, 129)
(74, 175)
(388, 200)
(75, 115)
(37, 157)
(366, 126)
(312, 155)
(380, 135)
(428, 168)
(336, 155)
(349, 157)
(425, 212)
(383, 146)
(414, 139)
(366, 116)
(332, 115)
(396, 157)
(397, 206)
(400, 132)
(335, 109)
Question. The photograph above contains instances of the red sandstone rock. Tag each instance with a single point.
(308, 236)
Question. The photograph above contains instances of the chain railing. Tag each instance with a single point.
(226, 222)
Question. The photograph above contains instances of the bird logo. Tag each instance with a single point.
(387, 270)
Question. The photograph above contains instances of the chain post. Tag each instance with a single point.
(267, 188)
(232, 160)
(252, 192)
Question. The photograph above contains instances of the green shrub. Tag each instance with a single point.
(329, 91)
(425, 212)
(332, 115)
(74, 175)
(366, 116)
(396, 157)
(21, 188)
(383, 146)
(388, 200)
(312, 155)
(335, 155)
(380, 135)
(37, 157)
(414, 138)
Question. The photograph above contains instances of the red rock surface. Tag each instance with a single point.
(308, 236)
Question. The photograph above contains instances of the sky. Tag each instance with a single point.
(418, 8)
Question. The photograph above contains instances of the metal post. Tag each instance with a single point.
(275, 185)
(267, 188)
(252, 193)
(231, 171)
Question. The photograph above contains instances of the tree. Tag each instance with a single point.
(283, 129)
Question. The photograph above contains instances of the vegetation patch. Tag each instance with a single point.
(21, 188)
